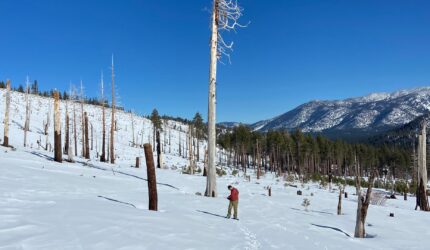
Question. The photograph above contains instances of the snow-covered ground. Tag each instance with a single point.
(93, 205)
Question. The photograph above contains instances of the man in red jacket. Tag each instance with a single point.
(234, 201)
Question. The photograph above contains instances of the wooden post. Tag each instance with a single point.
(6, 115)
(57, 129)
(152, 181)
(137, 162)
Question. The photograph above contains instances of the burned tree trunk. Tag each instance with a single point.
(57, 129)
(258, 161)
(152, 181)
(158, 149)
(87, 144)
(66, 138)
(339, 204)
(6, 116)
(205, 163)
(137, 162)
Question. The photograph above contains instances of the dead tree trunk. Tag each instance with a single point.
(83, 122)
(57, 129)
(75, 136)
(103, 155)
(92, 136)
(27, 113)
(158, 149)
(87, 144)
(6, 116)
(205, 164)
(258, 161)
(137, 162)
(362, 204)
(339, 204)
(112, 128)
(152, 181)
(66, 138)
(422, 199)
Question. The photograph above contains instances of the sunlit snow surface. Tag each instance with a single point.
(93, 205)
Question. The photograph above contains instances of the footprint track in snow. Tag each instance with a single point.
(251, 239)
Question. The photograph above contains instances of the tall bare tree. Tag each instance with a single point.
(86, 137)
(225, 14)
(112, 123)
(27, 111)
(103, 155)
(82, 120)
(6, 116)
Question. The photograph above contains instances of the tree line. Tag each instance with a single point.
(305, 154)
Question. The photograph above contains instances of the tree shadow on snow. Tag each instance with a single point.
(122, 202)
(47, 157)
(334, 228)
(88, 164)
(313, 211)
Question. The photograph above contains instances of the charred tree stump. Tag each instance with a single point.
(152, 182)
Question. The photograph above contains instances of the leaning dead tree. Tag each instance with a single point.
(6, 116)
(362, 202)
(422, 200)
(225, 15)
(27, 112)
(57, 129)
(112, 122)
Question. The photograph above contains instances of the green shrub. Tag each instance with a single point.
(220, 172)
(234, 172)
(401, 186)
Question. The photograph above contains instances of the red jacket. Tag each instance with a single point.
(234, 195)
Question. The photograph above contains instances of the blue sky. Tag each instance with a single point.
(292, 52)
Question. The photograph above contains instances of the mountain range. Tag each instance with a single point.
(353, 117)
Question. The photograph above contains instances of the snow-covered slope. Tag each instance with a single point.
(93, 205)
(375, 112)
(47, 205)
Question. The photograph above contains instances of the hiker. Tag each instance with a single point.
(234, 201)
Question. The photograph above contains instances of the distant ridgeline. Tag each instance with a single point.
(34, 90)
(404, 136)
